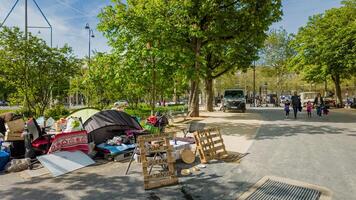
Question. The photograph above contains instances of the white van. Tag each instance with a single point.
(307, 96)
(234, 99)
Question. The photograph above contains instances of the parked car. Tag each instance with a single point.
(307, 96)
(234, 99)
(284, 98)
(3, 103)
(121, 103)
(329, 102)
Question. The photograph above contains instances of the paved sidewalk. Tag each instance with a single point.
(107, 181)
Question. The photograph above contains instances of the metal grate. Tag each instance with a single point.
(275, 190)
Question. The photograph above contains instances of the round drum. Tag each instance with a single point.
(187, 156)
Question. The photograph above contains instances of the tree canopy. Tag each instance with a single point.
(35, 70)
(276, 54)
(186, 40)
(326, 46)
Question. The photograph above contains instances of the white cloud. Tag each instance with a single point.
(67, 21)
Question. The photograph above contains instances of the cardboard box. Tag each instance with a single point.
(16, 126)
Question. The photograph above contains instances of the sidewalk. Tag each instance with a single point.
(108, 181)
(238, 129)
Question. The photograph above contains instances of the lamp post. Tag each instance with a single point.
(265, 86)
(254, 83)
(90, 35)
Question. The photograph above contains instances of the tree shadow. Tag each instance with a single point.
(271, 131)
(207, 184)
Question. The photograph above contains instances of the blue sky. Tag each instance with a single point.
(68, 18)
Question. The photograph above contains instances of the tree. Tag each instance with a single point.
(222, 36)
(143, 46)
(326, 46)
(276, 53)
(186, 32)
(34, 69)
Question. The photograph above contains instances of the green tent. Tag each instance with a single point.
(84, 113)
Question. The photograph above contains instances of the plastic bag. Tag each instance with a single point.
(73, 124)
(50, 123)
(41, 121)
(17, 165)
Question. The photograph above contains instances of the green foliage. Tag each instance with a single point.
(276, 53)
(160, 45)
(56, 112)
(34, 69)
(145, 58)
(326, 46)
(143, 110)
(5, 111)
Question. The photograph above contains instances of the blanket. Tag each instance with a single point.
(114, 150)
(71, 141)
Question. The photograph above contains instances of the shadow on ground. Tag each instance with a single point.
(94, 186)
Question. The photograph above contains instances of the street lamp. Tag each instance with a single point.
(265, 86)
(254, 83)
(90, 35)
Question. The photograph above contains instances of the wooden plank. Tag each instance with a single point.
(161, 178)
(160, 175)
(152, 185)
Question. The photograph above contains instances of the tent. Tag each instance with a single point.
(84, 113)
(106, 124)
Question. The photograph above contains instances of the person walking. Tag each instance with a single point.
(318, 104)
(286, 108)
(296, 104)
(309, 108)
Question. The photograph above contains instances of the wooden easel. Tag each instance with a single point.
(210, 145)
(164, 177)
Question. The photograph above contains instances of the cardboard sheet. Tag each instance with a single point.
(62, 162)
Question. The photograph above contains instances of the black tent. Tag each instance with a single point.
(106, 124)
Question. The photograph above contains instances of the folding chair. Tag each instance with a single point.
(192, 127)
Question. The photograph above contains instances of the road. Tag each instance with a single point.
(319, 151)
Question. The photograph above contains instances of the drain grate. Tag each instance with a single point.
(275, 190)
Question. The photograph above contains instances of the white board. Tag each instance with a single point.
(62, 162)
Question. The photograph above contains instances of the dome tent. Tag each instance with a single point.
(106, 124)
(84, 113)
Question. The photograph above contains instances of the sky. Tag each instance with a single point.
(68, 19)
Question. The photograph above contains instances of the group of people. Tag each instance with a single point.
(296, 104)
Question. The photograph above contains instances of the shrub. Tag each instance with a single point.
(57, 112)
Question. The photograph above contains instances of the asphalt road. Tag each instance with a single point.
(319, 151)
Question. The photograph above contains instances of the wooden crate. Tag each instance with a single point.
(210, 145)
(13, 136)
(15, 126)
(163, 177)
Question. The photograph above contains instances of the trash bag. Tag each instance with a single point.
(73, 124)
(17, 165)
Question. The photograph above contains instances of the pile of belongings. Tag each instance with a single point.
(11, 137)
(116, 145)
(156, 123)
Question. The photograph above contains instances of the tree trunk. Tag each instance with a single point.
(209, 103)
(154, 77)
(194, 82)
(336, 80)
(175, 97)
(194, 98)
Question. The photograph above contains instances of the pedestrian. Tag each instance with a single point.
(296, 104)
(286, 108)
(318, 104)
(309, 108)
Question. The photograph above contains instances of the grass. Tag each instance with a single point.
(5, 111)
(142, 111)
